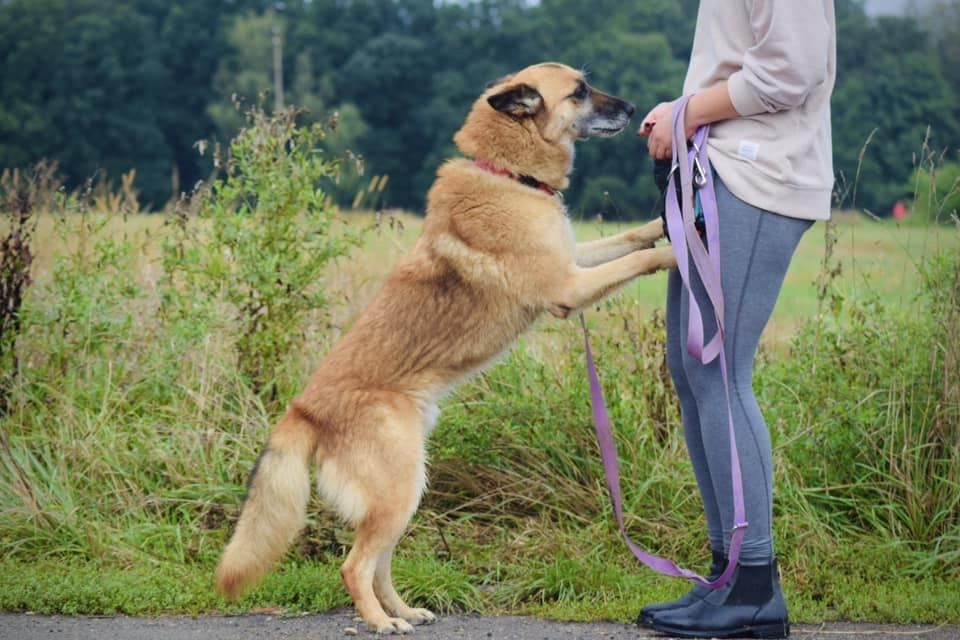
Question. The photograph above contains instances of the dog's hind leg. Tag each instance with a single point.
(392, 472)
(390, 599)
(358, 573)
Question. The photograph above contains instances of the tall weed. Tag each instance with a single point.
(867, 404)
(143, 399)
(260, 240)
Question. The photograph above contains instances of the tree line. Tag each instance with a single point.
(107, 85)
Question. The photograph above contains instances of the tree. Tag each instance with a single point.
(192, 42)
(942, 22)
(98, 85)
(245, 71)
(890, 91)
(389, 81)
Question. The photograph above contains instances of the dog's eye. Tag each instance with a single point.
(581, 92)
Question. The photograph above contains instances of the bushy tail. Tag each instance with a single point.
(275, 508)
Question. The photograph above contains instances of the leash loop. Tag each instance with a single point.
(691, 169)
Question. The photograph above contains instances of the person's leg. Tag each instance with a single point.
(676, 326)
(755, 250)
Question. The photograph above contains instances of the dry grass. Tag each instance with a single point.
(876, 257)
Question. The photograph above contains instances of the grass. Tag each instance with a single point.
(879, 258)
(582, 582)
(876, 257)
(123, 459)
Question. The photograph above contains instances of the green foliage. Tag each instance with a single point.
(110, 413)
(246, 71)
(937, 190)
(886, 62)
(261, 239)
(89, 69)
(21, 198)
(600, 590)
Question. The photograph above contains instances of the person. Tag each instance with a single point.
(761, 73)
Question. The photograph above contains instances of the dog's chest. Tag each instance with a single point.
(569, 236)
(431, 412)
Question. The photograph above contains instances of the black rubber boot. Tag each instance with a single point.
(717, 565)
(751, 606)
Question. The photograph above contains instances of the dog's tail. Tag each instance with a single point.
(275, 508)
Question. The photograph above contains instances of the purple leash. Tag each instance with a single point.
(681, 215)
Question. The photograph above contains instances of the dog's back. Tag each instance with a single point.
(458, 298)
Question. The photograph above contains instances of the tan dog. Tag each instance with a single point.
(496, 251)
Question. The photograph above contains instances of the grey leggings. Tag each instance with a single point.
(755, 250)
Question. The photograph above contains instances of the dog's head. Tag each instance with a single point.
(528, 121)
(559, 103)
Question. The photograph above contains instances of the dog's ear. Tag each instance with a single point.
(518, 100)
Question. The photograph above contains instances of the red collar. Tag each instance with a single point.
(530, 181)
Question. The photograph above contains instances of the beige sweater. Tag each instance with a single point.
(779, 58)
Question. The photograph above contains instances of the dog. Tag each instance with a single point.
(497, 250)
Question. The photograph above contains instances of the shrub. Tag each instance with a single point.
(868, 401)
(936, 192)
(21, 195)
(258, 243)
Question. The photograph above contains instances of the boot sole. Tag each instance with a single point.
(645, 619)
(766, 631)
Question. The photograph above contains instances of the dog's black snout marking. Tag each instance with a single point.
(629, 108)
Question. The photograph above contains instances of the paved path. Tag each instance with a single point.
(338, 625)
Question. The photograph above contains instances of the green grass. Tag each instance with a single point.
(123, 459)
(879, 258)
(573, 585)
(876, 257)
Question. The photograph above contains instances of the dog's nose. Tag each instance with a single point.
(630, 109)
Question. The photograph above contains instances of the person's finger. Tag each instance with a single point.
(646, 127)
(655, 144)
(654, 147)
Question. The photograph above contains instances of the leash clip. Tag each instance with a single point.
(673, 170)
(699, 175)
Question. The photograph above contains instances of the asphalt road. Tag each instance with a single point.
(341, 624)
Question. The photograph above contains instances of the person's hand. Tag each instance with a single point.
(657, 128)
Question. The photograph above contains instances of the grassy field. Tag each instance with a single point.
(130, 436)
(878, 259)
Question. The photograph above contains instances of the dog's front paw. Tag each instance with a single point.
(644, 237)
(394, 625)
(640, 243)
